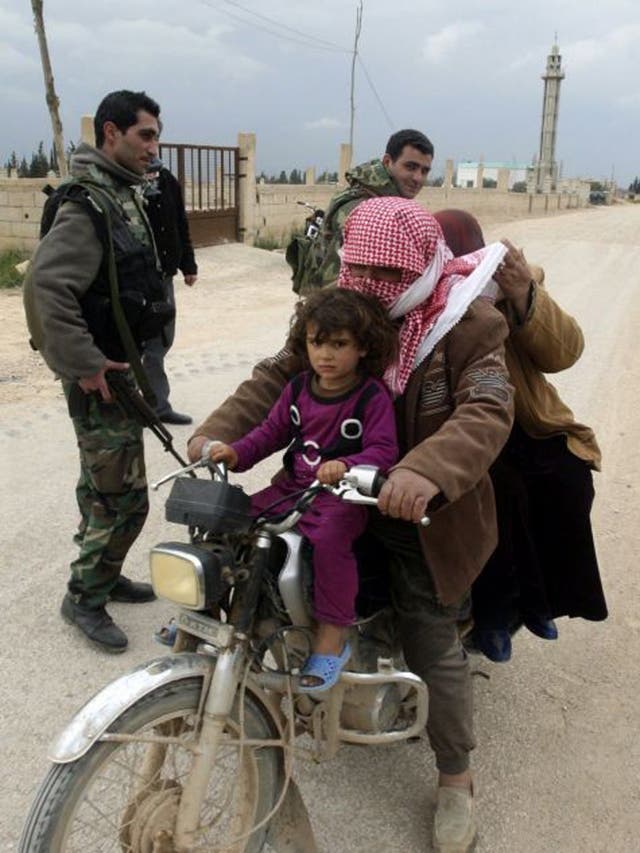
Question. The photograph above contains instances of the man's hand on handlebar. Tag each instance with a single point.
(405, 495)
(194, 448)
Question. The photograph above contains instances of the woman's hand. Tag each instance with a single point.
(331, 472)
(405, 495)
(514, 278)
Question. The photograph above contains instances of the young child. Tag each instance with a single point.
(332, 416)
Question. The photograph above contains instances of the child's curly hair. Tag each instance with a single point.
(334, 310)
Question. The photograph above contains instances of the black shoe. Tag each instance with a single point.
(96, 624)
(172, 417)
(131, 592)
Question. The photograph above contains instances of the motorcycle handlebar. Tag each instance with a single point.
(360, 485)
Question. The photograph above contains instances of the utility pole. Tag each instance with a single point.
(353, 72)
(52, 99)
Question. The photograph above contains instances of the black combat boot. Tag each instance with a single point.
(95, 623)
(131, 592)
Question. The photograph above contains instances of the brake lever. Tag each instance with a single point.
(346, 491)
(199, 464)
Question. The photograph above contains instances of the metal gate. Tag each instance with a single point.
(208, 175)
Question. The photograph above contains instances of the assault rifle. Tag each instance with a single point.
(132, 404)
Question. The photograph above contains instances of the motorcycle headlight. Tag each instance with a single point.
(186, 574)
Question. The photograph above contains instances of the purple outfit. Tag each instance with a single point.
(316, 424)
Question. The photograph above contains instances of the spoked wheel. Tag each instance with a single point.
(124, 796)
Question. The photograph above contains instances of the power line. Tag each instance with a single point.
(373, 89)
(307, 44)
(284, 26)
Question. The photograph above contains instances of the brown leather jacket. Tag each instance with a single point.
(547, 341)
(453, 420)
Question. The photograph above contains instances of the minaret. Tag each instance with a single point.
(547, 169)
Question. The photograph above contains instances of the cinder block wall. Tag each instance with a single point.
(277, 211)
(278, 214)
(21, 203)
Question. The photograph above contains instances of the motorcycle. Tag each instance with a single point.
(194, 750)
(313, 222)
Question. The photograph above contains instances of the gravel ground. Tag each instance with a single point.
(558, 728)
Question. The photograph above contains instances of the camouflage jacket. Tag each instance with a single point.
(315, 262)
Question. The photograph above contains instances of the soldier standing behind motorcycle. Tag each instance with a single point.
(402, 171)
(454, 411)
(71, 314)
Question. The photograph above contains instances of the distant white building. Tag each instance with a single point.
(468, 172)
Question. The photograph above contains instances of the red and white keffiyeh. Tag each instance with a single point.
(435, 289)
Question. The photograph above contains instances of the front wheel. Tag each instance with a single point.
(124, 796)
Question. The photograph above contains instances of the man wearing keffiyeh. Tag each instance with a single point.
(454, 411)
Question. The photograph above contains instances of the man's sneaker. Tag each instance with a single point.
(131, 592)
(96, 624)
(454, 828)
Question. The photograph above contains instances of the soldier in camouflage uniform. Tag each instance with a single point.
(71, 321)
(402, 171)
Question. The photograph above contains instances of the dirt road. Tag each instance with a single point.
(558, 728)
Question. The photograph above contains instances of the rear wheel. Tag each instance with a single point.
(124, 796)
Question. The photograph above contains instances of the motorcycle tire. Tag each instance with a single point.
(98, 802)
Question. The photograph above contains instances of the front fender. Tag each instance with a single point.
(94, 718)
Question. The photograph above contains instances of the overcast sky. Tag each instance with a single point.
(466, 72)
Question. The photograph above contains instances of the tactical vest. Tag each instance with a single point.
(140, 285)
(347, 442)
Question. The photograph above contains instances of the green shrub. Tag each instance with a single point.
(9, 275)
(268, 243)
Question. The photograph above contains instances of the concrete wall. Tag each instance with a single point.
(21, 203)
(277, 214)
(272, 212)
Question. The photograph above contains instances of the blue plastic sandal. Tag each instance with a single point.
(167, 634)
(327, 668)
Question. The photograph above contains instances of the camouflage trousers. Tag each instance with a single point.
(111, 494)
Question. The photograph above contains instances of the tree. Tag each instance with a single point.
(71, 147)
(23, 168)
(435, 182)
(39, 163)
(296, 177)
(12, 164)
(52, 99)
(328, 178)
(283, 178)
(634, 186)
(489, 184)
(519, 187)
